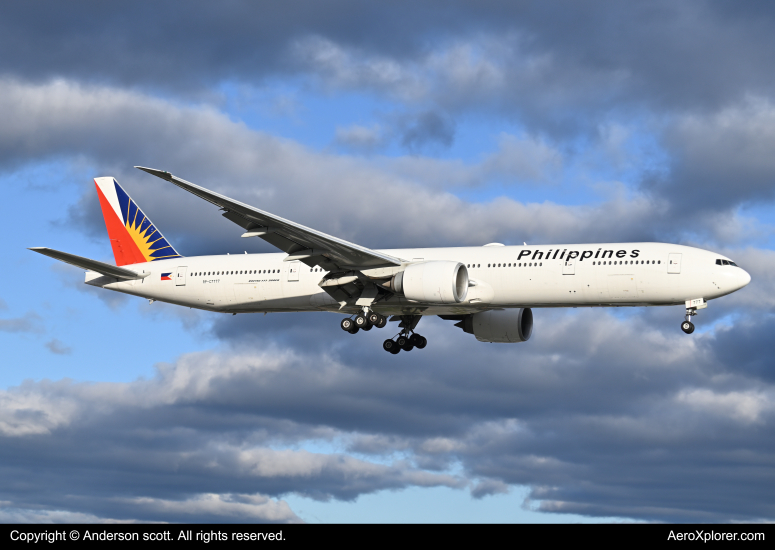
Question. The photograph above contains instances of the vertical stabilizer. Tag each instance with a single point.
(132, 235)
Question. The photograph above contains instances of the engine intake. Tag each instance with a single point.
(504, 326)
(435, 282)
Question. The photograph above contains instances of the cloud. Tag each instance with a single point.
(636, 425)
(428, 129)
(555, 69)
(30, 322)
(360, 138)
(75, 120)
(722, 158)
(746, 407)
(58, 348)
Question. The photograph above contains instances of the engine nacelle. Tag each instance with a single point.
(434, 282)
(505, 326)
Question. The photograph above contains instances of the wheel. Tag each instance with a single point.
(687, 327)
(361, 321)
(347, 324)
(402, 341)
(368, 327)
(408, 346)
(354, 329)
(415, 339)
(374, 318)
(382, 321)
(422, 343)
(389, 345)
(395, 350)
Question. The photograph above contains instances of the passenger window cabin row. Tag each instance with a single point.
(243, 272)
(540, 264)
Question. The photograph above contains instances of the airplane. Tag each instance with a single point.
(489, 290)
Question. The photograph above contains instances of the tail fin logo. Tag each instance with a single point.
(133, 236)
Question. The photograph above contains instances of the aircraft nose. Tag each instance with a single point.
(743, 278)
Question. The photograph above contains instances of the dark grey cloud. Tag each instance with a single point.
(29, 322)
(428, 129)
(544, 62)
(58, 348)
(651, 424)
(720, 159)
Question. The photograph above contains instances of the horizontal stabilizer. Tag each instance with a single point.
(92, 265)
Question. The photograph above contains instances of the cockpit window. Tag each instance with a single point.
(726, 262)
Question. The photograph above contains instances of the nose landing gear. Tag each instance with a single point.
(691, 310)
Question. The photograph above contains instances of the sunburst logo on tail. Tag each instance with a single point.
(132, 235)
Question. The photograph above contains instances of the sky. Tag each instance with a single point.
(401, 124)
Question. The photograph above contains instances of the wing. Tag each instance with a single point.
(300, 242)
(92, 265)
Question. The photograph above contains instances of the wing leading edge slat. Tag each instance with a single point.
(286, 235)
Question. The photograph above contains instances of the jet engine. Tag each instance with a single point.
(505, 326)
(435, 282)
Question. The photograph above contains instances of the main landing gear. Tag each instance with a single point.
(406, 340)
(363, 321)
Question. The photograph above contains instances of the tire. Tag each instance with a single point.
(389, 345)
(347, 324)
(361, 321)
(374, 318)
(408, 347)
(423, 343)
(354, 330)
(415, 339)
(687, 327)
(367, 327)
(382, 321)
(402, 341)
(395, 350)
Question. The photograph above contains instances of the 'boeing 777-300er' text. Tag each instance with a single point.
(489, 289)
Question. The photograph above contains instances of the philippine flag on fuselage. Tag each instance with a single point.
(166, 276)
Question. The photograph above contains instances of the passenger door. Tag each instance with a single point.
(180, 276)
(293, 270)
(569, 267)
(674, 263)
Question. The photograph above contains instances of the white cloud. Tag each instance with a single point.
(243, 508)
(113, 126)
(743, 406)
(361, 138)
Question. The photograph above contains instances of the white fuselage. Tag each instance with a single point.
(624, 274)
